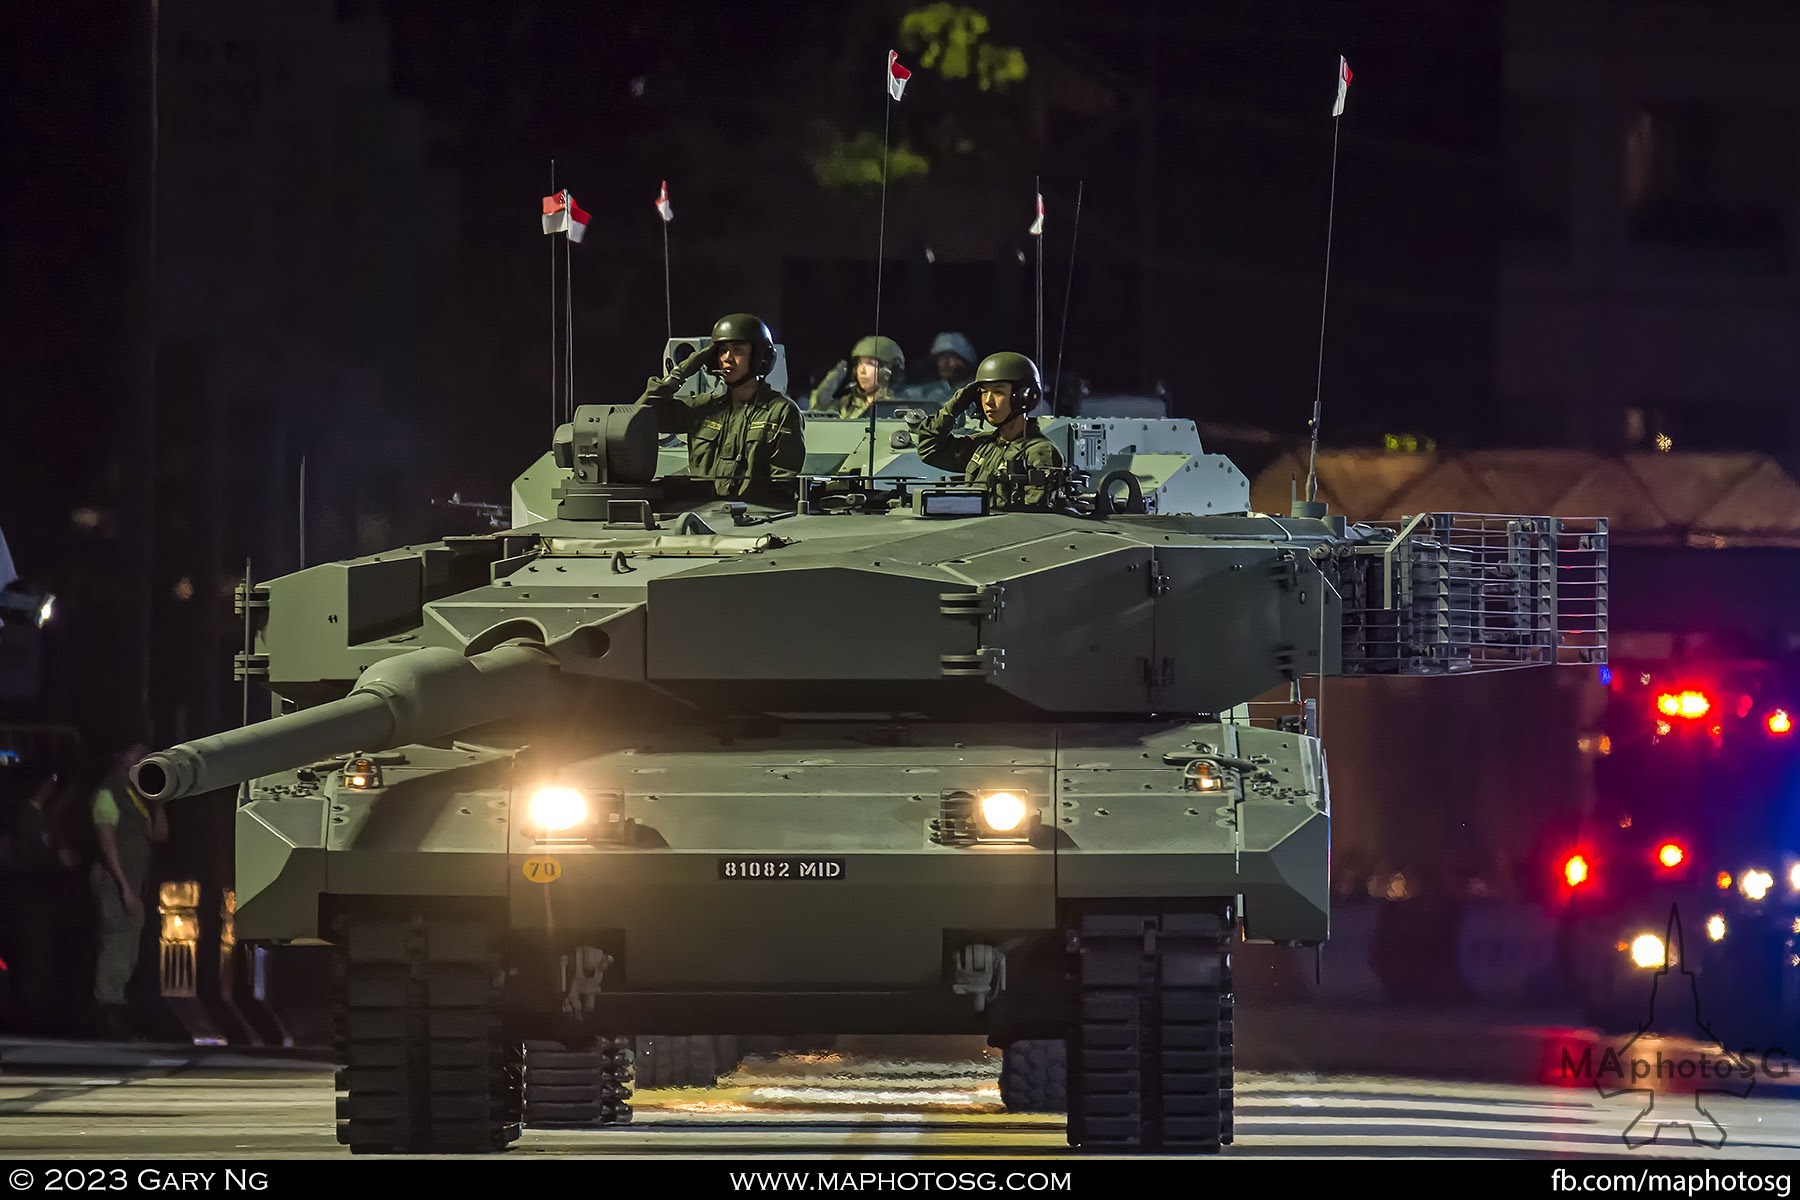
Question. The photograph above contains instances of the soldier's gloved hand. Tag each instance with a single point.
(966, 398)
(693, 364)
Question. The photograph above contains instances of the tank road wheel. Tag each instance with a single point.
(588, 1083)
(687, 1061)
(1034, 1076)
(1150, 1065)
(426, 1068)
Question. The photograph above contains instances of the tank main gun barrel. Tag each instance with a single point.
(409, 698)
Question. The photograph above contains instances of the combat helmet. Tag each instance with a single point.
(1009, 366)
(884, 350)
(747, 327)
(954, 343)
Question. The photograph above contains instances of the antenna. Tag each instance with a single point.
(1312, 457)
(302, 515)
(887, 114)
(1315, 714)
(667, 213)
(555, 406)
(871, 475)
(895, 83)
(1038, 186)
(568, 330)
(1068, 294)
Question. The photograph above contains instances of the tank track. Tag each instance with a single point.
(1150, 1065)
(584, 1084)
(425, 1065)
(1034, 1076)
(686, 1061)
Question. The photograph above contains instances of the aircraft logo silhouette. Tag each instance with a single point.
(1677, 991)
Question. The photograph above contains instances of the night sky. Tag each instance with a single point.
(338, 258)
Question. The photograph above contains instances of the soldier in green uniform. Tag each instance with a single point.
(126, 827)
(878, 364)
(748, 439)
(1007, 386)
(953, 354)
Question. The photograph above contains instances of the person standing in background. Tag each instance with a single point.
(126, 828)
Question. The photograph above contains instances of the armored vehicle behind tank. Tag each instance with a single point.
(650, 766)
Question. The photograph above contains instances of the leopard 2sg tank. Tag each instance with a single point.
(655, 765)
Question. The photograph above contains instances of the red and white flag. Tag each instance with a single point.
(1337, 109)
(662, 203)
(1037, 225)
(897, 75)
(563, 215)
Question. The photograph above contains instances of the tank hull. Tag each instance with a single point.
(805, 877)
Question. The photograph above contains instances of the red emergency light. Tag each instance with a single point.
(1575, 870)
(1779, 723)
(1670, 855)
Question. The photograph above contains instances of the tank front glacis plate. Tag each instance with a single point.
(807, 860)
(1262, 835)
(690, 896)
(433, 822)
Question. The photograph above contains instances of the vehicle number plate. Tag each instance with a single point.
(786, 867)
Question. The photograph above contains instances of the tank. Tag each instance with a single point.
(647, 767)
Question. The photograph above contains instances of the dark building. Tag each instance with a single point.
(1649, 280)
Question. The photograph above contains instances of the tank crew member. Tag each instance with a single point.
(748, 439)
(953, 356)
(1007, 386)
(867, 377)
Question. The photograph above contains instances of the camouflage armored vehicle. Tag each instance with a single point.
(652, 765)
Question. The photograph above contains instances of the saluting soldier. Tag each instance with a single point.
(748, 440)
(868, 377)
(1007, 386)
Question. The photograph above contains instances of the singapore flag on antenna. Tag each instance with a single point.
(897, 75)
(662, 203)
(563, 215)
(1337, 109)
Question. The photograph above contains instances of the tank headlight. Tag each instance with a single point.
(45, 611)
(1002, 812)
(1794, 877)
(971, 818)
(556, 809)
(1715, 928)
(1755, 884)
(361, 774)
(1202, 776)
(1647, 951)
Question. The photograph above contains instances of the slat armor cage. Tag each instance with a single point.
(1454, 592)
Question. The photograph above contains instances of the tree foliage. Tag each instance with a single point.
(963, 110)
(951, 39)
(856, 161)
